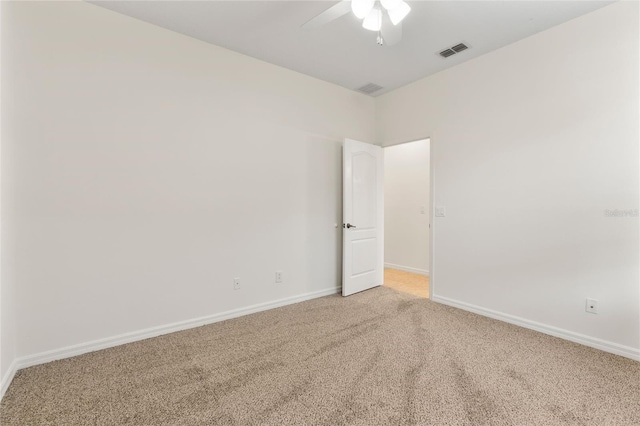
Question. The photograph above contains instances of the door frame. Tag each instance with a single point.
(432, 191)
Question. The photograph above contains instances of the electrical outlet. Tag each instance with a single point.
(592, 306)
(278, 276)
(236, 283)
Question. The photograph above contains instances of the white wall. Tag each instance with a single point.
(531, 144)
(8, 326)
(150, 169)
(406, 206)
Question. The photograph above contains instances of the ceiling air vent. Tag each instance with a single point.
(453, 50)
(459, 47)
(447, 52)
(369, 88)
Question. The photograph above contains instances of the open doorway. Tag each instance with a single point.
(407, 217)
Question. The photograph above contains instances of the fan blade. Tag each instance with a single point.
(391, 34)
(334, 12)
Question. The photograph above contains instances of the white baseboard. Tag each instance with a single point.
(407, 269)
(604, 345)
(134, 336)
(8, 378)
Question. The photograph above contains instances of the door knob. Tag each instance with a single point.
(350, 226)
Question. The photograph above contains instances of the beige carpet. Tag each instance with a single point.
(376, 358)
(407, 282)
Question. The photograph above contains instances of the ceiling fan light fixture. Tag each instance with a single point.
(398, 13)
(390, 4)
(362, 8)
(373, 21)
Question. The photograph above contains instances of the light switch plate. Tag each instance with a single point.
(440, 211)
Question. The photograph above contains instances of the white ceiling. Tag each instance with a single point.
(344, 53)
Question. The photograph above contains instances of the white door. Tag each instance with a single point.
(362, 216)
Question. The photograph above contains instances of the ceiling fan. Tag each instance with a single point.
(383, 16)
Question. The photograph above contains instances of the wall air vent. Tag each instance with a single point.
(369, 88)
(453, 50)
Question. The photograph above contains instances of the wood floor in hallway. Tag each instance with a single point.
(407, 282)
